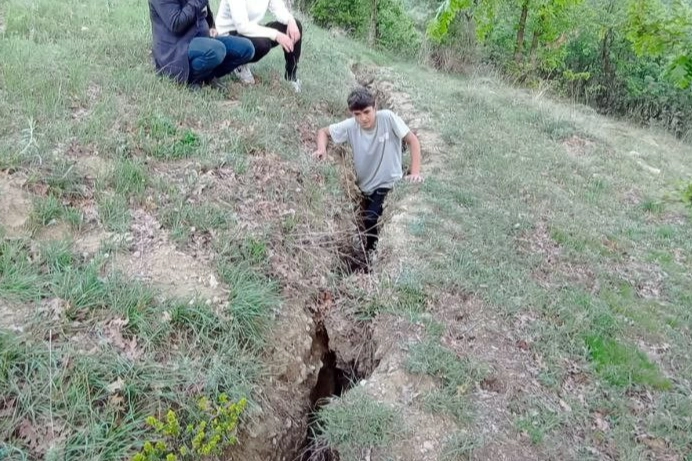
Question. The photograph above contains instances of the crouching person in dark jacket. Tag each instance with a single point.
(186, 45)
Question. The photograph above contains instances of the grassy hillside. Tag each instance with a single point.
(160, 246)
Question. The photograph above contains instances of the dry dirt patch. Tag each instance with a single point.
(156, 261)
(577, 146)
(81, 109)
(15, 205)
(554, 271)
(13, 316)
(646, 278)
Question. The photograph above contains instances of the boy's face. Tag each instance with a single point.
(366, 118)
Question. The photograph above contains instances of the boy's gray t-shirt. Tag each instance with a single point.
(376, 153)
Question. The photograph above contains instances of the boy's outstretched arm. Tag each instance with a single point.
(322, 140)
(414, 147)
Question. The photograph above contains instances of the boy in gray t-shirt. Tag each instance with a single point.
(375, 137)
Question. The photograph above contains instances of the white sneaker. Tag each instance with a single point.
(296, 85)
(244, 74)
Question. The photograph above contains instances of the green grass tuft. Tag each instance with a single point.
(19, 279)
(114, 212)
(253, 300)
(457, 376)
(539, 421)
(47, 210)
(623, 365)
(356, 422)
(161, 138)
(184, 218)
(57, 256)
(653, 206)
(128, 177)
(459, 447)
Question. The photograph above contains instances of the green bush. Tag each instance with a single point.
(395, 29)
(351, 15)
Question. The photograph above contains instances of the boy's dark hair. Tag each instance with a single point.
(359, 99)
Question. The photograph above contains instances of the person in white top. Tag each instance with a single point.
(242, 18)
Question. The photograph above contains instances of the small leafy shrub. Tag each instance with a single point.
(207, 433)
(687, 194)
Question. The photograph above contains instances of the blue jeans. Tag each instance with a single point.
(215, 57)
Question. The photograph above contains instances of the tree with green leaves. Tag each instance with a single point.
(548, 22)
(663, 30)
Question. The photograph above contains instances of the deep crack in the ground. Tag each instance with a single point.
(349, 357)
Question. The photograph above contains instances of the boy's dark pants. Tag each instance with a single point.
(371, 210)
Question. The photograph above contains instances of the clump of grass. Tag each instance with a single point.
(86, 290)
(59, 178)
(457, 376)
(356, 422)
(57, 256)
(538, 421)
(47, 210)
(402, 298)
(459, 446)
(20, 280)
(569, 239)
(455, 404)
(558, 130)
(82, 287)
(623, 365)
(653, 206)
(184, 217)
(687, 194)
(253, 299)
(197, 320)
(254, 249)
(163, 139)
(128, 178)
(63, 180)
(114, 212)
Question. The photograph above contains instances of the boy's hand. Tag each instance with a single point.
(320, 154)
(213, 33)
(414, 178)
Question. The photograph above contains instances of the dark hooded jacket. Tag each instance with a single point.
(174, 23)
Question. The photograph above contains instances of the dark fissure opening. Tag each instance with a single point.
(332, 381)
(353, 259)
(352, 253)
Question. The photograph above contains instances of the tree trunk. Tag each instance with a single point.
(372, 31)
(533, 53)
(605, 55)
(519, 50)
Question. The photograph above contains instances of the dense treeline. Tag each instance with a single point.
(625, 57)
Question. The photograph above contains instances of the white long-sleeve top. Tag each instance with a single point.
(244, 16)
